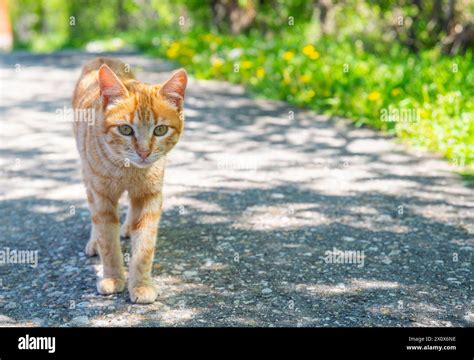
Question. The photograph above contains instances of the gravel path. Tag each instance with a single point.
(256, 195)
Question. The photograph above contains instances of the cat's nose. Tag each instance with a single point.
(143, 153)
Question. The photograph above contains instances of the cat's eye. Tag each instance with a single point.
(125, 130)
(160, 130)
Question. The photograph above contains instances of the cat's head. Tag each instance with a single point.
(142, 122)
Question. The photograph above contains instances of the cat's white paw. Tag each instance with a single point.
(107, 286)
(91, 248)
(145, 294)
(125, 230)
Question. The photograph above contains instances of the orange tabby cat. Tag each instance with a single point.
(134, 125)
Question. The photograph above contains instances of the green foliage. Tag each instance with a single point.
(430, 96)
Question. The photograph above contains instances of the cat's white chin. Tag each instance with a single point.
(141, 164)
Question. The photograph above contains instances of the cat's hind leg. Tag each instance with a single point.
(91, 247)
(125, 228)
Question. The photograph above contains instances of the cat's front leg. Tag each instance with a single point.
(106, 229)
(145, 216)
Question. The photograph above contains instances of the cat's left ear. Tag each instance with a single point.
(111, 88)
(173, 89)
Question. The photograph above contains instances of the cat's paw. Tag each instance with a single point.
(145, 294)
(91, 248)
(107, 286)
(125, 230)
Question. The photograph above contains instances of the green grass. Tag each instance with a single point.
(468, 177)
(432, 94)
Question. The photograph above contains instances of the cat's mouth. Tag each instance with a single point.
(142, 163)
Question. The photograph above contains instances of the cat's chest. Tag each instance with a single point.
(115, 179)
(150, 179)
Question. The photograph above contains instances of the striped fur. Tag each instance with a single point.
(107, 96)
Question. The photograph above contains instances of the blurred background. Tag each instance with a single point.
(357, 59)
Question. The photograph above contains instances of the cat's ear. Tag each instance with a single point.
(173, 89)
(111, 88)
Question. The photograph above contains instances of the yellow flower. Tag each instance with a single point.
(314, 56)
(423, 113)
(310, 51)
(395, 92)
(188, 52)
(288, 55)
(173, 50)
(374, 95)
(217, 63)
(311, 94)
(211, 38)
(260, 72)
(305, 78)
(171, 53)
(286, 77)
(207, 37)
(246, 64)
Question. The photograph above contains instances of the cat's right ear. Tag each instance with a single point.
(111, 88)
